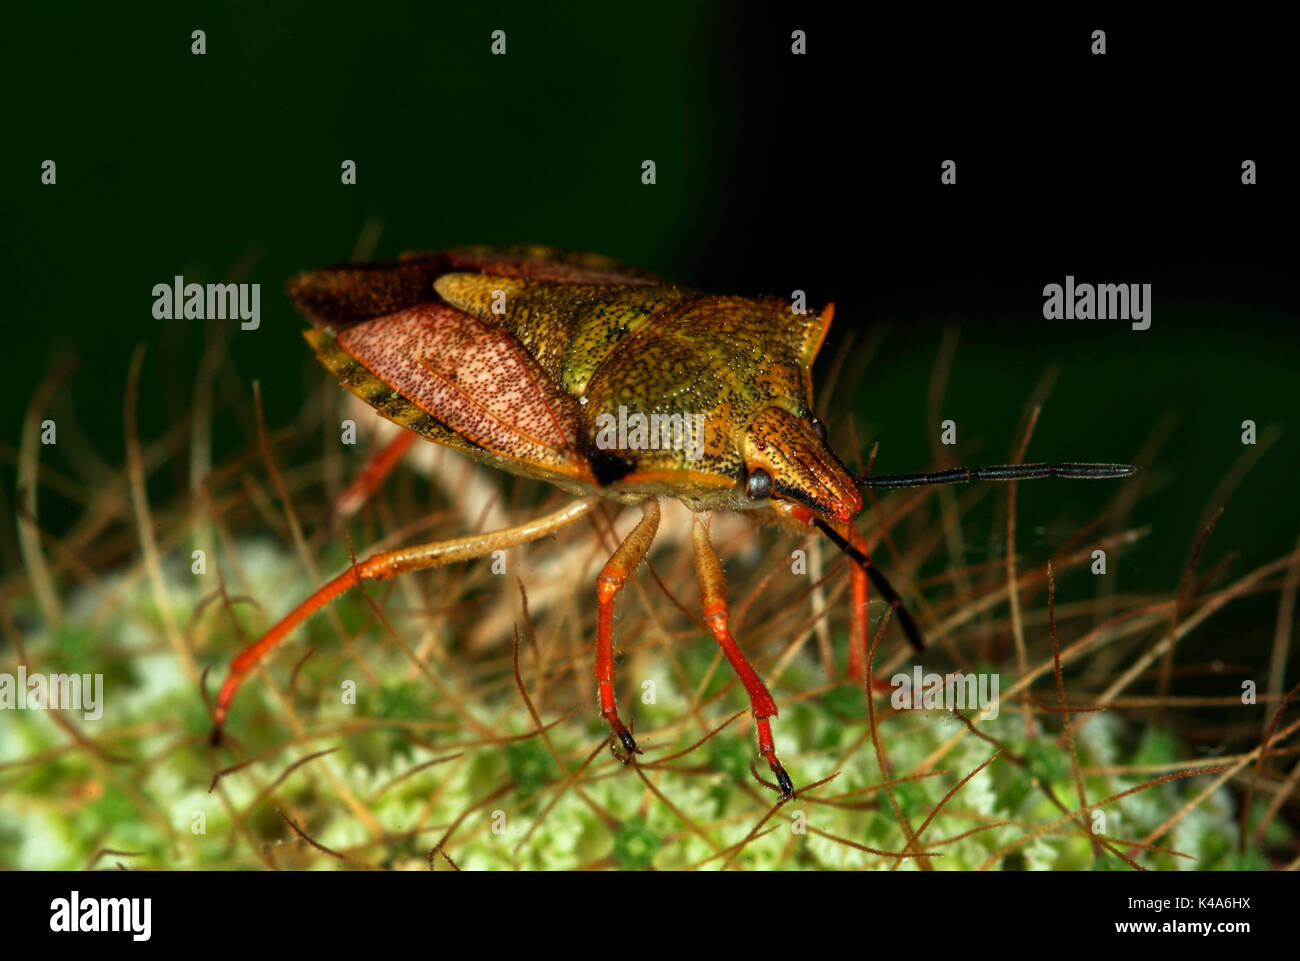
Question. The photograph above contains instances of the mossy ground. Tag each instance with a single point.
(511, 798)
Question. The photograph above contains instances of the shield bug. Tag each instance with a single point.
(530, 360)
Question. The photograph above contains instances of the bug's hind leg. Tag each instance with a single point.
(713, 594)
(380, 567)
(612, 578)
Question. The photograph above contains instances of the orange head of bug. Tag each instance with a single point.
(788, 462)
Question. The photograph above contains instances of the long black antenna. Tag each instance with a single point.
(958, 475)
(1000, 472)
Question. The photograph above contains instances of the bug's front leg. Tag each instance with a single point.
(612, 578)
(713, 594)
(856, 669)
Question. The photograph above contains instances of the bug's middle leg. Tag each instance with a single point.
(713, 594)
(612, 578)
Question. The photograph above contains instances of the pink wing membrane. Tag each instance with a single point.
(473, 377)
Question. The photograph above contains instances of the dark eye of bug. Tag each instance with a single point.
(758, 486)
(818, 427)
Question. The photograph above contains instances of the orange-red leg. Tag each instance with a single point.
(378, 467)
(381, 566)
(856, 669)
(612, 578)
(713, 595)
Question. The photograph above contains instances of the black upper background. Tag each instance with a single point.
(1112, 166)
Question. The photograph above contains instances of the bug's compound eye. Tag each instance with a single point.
(818, 428)
(758, 485)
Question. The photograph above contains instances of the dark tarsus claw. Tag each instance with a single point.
(628, 742)
(622, 737)
(783, 781)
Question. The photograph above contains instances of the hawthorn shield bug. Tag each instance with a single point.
(528, 359)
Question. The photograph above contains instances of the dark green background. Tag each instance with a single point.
(774, 173)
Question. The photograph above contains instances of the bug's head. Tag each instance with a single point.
(788, 463)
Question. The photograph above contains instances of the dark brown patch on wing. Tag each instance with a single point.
(337, 297)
